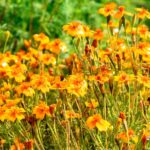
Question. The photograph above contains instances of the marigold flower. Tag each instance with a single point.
(108, 9)
(143, 31)
(15, 113)
(2, 142)
(77, 85)
(40, 82)
(98, 34)
(77, 29)
(6, 86)
(145, 80)
(48, 59)
(17, 72)
(100, 78)
(92, 104)
(4, 71)
(56, 46)
(121, 12)
(87, 31)
(41, 110)
(123, 78)
(27, 43)
(3, 98)
(97, 121)
(40, 37)
(126, 138)
(71, 114)
(25, 88)
(2, 113)
(17, 145)
(142, 13)
(11, 103)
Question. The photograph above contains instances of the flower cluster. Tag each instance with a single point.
(96, 97)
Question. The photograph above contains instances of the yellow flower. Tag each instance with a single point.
(97, 121)
(145, 80)
(71, 114)
(2, 114)
(77, 85)
(77, 29)
(15, 113)
(98, 34)
(92, 104)
(17, 72)
(56, 46)
(142, 13)
(126, 138)
(17, 145)
(25, 88)
(108, 9)
(40, 82)
(48, 59)
(41, 110)
(11, 103)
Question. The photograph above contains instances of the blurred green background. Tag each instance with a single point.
(23, 18)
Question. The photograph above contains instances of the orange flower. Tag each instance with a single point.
(123, 78)
(41, 110)
(125, 139)
(71, 114)
(3, 98)
(142, 13)
(48, 59)
(56, 46)
(87, 31)
(76, 29)
(2, 142)
(92, 104)
(17, 72)
(17, 145)
(97, 121)
(77, 85)
(40, 82)
(98, 35)
(27, 43)
(25, 88)
(40, 37)
(15, 113)
(120, 12)
(11, 103)
(100, 78)
(144, 80)
(143, 31)
(108, 9)
(2, 114)
(4, 72)
(6, 86)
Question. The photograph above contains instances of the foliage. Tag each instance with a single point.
(23, 18)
